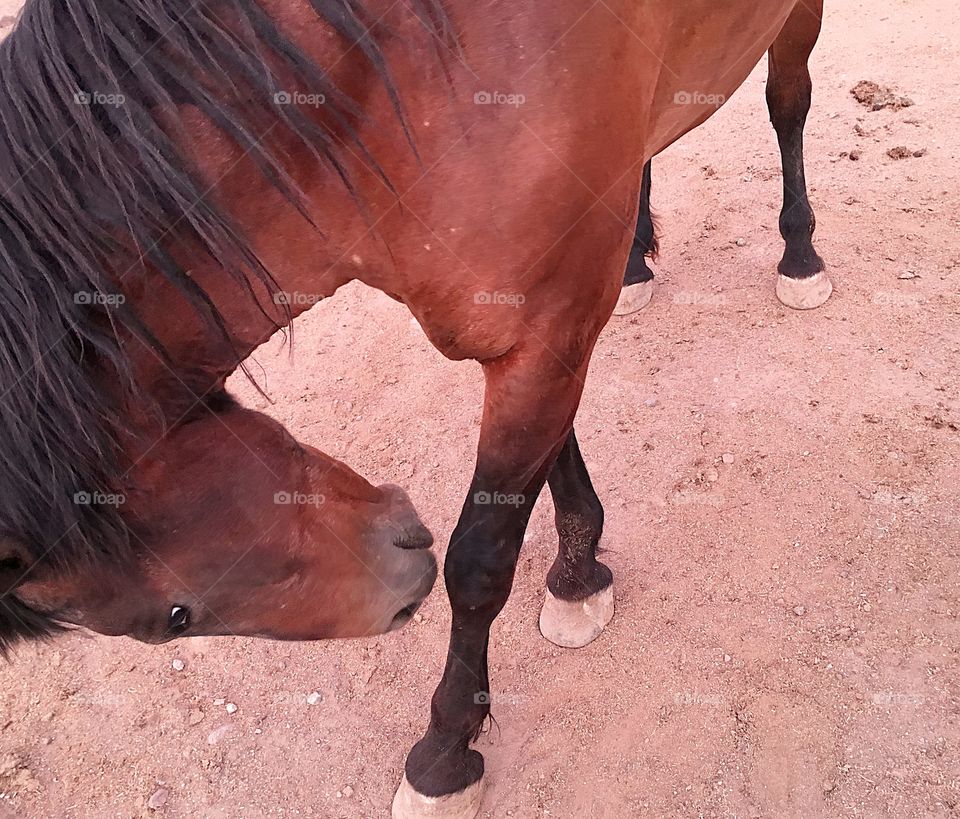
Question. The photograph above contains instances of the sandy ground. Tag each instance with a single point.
(786, 640)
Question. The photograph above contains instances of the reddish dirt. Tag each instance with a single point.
(786, 638)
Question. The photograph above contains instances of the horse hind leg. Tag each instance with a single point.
(802, 283)
(579, 600)
(638, 280)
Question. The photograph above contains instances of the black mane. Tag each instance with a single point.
(76, 166)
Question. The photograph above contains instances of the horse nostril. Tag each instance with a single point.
(404, 616)
(418, 538)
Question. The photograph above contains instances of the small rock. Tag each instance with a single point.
(908, 274)
(650, 402)
(219, 701)
(177, 665)
(195, 717)
(855, 156)
(314, 698)
(829, 785)
(231, 708)
(711, 475)
(741, 243)
(348, 791)
(158, 799)
(899, 152)
(867, 607)
(799, 611)
(728, 458)
(219, 733)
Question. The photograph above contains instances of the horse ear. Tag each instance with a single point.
(15, 563)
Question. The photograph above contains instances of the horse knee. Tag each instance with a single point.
(479, 571)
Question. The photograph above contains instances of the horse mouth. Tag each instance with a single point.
(404, 616)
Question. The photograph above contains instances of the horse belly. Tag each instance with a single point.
(708, 50)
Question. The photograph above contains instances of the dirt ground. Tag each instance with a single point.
(786, 638)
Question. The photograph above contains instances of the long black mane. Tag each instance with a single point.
(83, 156)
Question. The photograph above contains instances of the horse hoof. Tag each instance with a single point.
(804, 294)
(575, 623)
(634, 297)
(408, 804)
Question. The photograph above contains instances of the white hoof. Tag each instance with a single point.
(634, 297)
(804, 294)
(574, 624)
(408, 804)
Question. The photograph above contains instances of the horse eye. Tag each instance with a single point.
(179, 620)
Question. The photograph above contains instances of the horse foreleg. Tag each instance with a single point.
(638, 280)
(530, 401)
(579, 599)
(803, 284)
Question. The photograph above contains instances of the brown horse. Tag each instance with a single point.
(180, 179)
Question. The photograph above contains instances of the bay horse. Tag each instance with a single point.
(180, 180)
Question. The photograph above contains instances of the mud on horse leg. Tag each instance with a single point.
(530, 401)
(802, 284)
(638, 280)
(579, 600)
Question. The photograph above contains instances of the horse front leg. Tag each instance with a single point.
(802, 284)
(530, 401)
